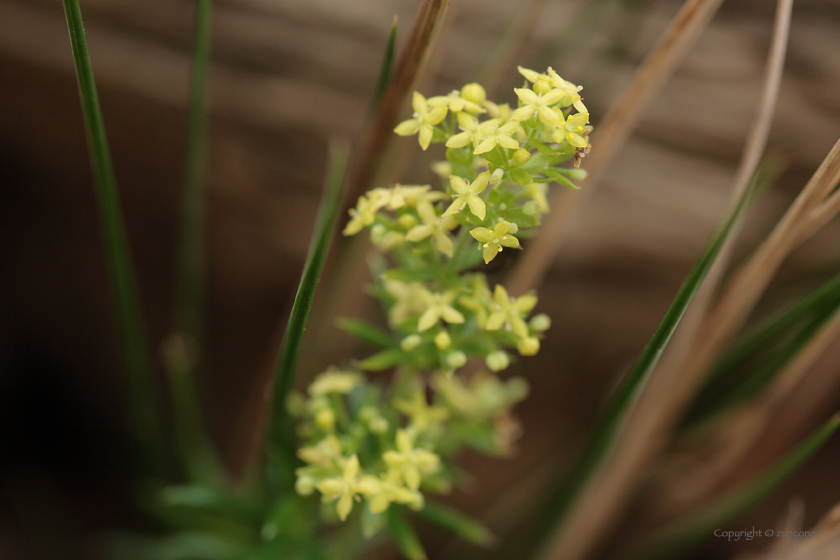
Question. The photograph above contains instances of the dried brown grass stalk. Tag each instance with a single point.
(612, 133)
(674, 382)
(409, 68)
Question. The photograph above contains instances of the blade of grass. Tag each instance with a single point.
(611, 134)
(189, 285)
(457, 523)
(279, 427)
(143, 399)
(684, 534)
(385, 71)
(805, 317)
(404, 536)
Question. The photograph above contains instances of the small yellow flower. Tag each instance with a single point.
(407, 299)
(455, 102)
(333, 381)
(322, 453)
(572, 131)
(409, 462)
(467, 194)
(365, 212)
(493, 240)
(571, 90)
(438, 306)
(422, 415)
(422, 121)
(434, 226)
(469, 125)
(508, 311)
(346, 487)
(391, 490)
(540, 104)
(492, 135)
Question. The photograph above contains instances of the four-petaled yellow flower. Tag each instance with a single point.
(455, 102)
(438, 306)
(469, 125)
(572, 131)
(492, 135)
(540, 104)
(409, 462)
(421, 413)
(363, 215)
(422, 121)
(493, 240)
(467, 194)
(572, 95)
(508, 311)
(407, 299)
(391, 490)
(434, 226)
(346, 487)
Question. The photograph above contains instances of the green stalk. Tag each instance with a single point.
(142, 392)
(280, 428)
(189, 289)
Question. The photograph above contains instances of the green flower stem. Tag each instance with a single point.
(142, 391)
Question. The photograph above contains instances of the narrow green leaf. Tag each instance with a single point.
(142, 391)
(325, 225)
(560, 178)
(382, 360)
(404, 536)
(601, 440)
(520, 176)
(459, 524)
(189, 285)
(684, 534)
(747, 367)
(366, 332)
(386, 69)
(408, 275)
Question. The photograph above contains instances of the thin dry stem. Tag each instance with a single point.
(671, 385)
(410, 66)
(612, 133)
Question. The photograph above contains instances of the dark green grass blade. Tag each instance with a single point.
(142, 392)
(747, 367)
(404, 536)
(385, 70)
(603, 436)
(684, 534)
(189, 288)
(457, 523)
(279, 428)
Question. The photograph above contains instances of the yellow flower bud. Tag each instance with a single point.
(540, 322)
(456, 359)
(521, 156)
(528, 346)
(305, 485)
(407, 221)
(497, 361)
(474, 92)
(325, 419)
(542, 86)
(443, 340)
(410, 342)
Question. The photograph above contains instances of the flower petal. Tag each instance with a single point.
(407, 128)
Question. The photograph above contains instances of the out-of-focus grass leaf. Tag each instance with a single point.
(682, 535)
(142, 391)
(180, 546)
(404, 536)
(280, 426)
(385, 70)
(366, 332)
(749, 365)
(461, 525)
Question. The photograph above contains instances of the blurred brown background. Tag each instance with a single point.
(286, 76)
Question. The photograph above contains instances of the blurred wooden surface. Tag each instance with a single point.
(286, 76)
